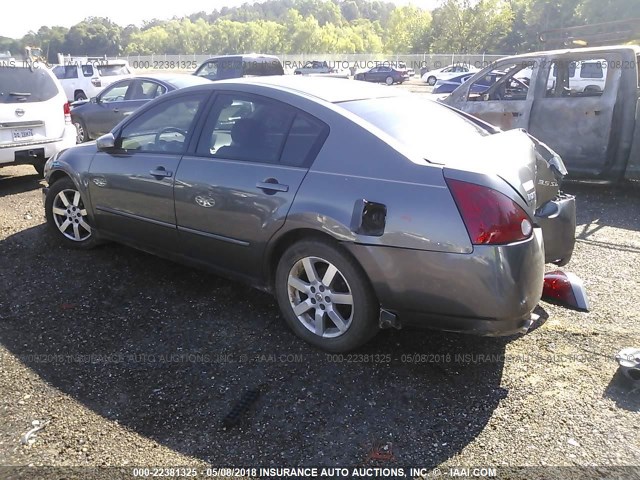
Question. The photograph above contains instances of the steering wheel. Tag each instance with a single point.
(168, 130)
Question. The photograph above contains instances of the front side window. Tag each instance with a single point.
(502, 83)
(163, 128)
(116, 92)
(208, 70)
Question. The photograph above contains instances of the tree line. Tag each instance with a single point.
(331, 26)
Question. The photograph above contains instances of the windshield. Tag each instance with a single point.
(433, 131)
(25, 85)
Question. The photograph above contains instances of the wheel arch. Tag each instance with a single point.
(58, 175)
(278, 246)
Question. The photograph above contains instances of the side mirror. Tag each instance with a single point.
(485, 97)
(106, 142)
(94, 100)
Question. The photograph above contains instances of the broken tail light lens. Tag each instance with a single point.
(491, 217)
(564, 289)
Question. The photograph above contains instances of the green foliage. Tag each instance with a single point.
(332, 26)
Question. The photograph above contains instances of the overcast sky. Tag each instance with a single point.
(123, 12)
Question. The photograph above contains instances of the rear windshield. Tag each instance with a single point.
(112, 70)
(433, 131)
(19, 85)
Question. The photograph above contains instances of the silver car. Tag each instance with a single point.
(334, 195)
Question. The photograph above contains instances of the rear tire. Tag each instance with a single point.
(81, 131)
(335, 307)
(79, 95)
(431, 81)
(389, 80)
(67, 215)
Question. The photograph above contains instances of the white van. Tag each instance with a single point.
(35, 120)
(85, 79)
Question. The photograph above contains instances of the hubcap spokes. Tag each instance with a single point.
(70, 215)
(79, 133)
(320, 297)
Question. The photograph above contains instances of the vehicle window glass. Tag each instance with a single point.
(591, 70)
(112, 70)
(501, 84)
(64, 72)
(209, 70)
(591, 80)
(403, 119)
(115, 93)
(263, 67)
(304, 141)
(58, 71)
(163, 128)
(19, 85)
(87, 70)
(145, 90)
(246, 128)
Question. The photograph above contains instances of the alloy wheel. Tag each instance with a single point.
(70, 215)
(320, 297)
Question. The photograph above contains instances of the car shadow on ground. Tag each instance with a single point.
(599, 205)
(12, 184)
(625, 392)
(167, 351)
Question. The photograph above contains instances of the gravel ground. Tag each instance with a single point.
(134, 360)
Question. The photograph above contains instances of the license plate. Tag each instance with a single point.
(22, 134)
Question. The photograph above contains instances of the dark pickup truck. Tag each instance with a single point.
(584, 103)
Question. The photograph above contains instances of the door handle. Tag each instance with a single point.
(516, 114)
(272, 185)
(116, 110)
(160, 172)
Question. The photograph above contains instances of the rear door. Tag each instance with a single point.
(574, 120)
(236, 191)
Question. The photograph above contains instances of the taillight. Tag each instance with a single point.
(491, 217)
(67, 113)
(566, 290)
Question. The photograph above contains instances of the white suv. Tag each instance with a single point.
(35, 120)
(83, 80)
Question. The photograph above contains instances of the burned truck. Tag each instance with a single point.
(584, 103)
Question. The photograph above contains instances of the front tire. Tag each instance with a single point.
(325, 297)
(79, 95)
(67, 215)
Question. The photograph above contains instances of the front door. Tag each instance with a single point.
(131, 187)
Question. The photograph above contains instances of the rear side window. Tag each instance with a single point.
(19, 85)
(305, 139)
(65, 71)
(87, 70)
(112, 70)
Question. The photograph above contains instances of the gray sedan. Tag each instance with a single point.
(97, 116)
(334, 196)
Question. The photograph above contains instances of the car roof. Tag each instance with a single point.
(333, 90)
(575, 51)
(247, 56)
